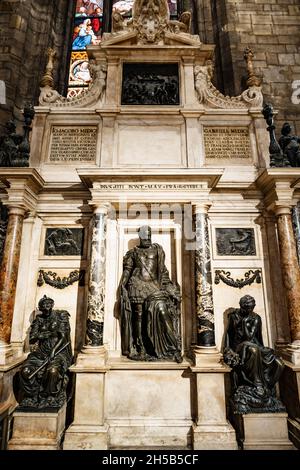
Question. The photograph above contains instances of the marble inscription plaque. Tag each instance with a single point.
(235, 241)
(63, 241)
(73, 144)
(227, 142)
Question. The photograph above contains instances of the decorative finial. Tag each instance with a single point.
(47, 79)
(252, 80)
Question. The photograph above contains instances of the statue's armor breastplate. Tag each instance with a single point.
(143, 281)
(146, 264)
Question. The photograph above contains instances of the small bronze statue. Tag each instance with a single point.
(15, 148)
(43, 377)
(150, 304)
(290, 145)
(255, 368)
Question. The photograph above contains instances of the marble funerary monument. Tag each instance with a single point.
(147, 210)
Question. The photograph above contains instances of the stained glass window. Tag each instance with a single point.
(87, 30)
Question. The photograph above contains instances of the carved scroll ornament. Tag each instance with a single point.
(209, 95)
(50, 97)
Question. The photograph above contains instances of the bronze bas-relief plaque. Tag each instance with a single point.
(227, 142)
(63, 241)
(73, 144)
(235, 241)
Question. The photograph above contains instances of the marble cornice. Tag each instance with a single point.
(22, 186)
(171, 186)
(278, 187)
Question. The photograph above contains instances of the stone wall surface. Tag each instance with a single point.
(271, 29)
(27, 29)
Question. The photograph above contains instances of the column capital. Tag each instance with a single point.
(281, 207)
(201, 207)
(14, 209)
(101, 207)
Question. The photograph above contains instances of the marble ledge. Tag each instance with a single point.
(127, 364)
(218, 368)
(90, 368)
(12, 364)
(290, 365)
(67, 110)
(144, 110)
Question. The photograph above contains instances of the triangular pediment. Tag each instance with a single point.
(181, 39)
(124, 38)
(131, 38)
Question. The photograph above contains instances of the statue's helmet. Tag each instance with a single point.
(43, 300)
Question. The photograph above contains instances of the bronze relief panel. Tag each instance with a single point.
(63, 241)
(235, 242)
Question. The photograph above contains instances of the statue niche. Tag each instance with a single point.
(43, 377)
(150, 304)
(255, 368)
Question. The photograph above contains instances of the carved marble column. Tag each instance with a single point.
(290, 269)
(211, 430)
(204, 295)
(296, 226)
(89, 430)
(96, 294)
(9, 270)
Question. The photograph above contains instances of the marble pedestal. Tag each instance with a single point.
(290, 393)
(38, 430)
(88, 430)
(211, 431)
(6, 353)
(263, 431)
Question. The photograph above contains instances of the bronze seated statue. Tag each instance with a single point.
(255, 368)
(150, 304)
(43, 377)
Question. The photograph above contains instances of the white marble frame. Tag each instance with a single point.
(70, 225)
(152, 60)
(115, 244)
(243, 263)
(79, 119)
(236, 119)
(173, 122)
